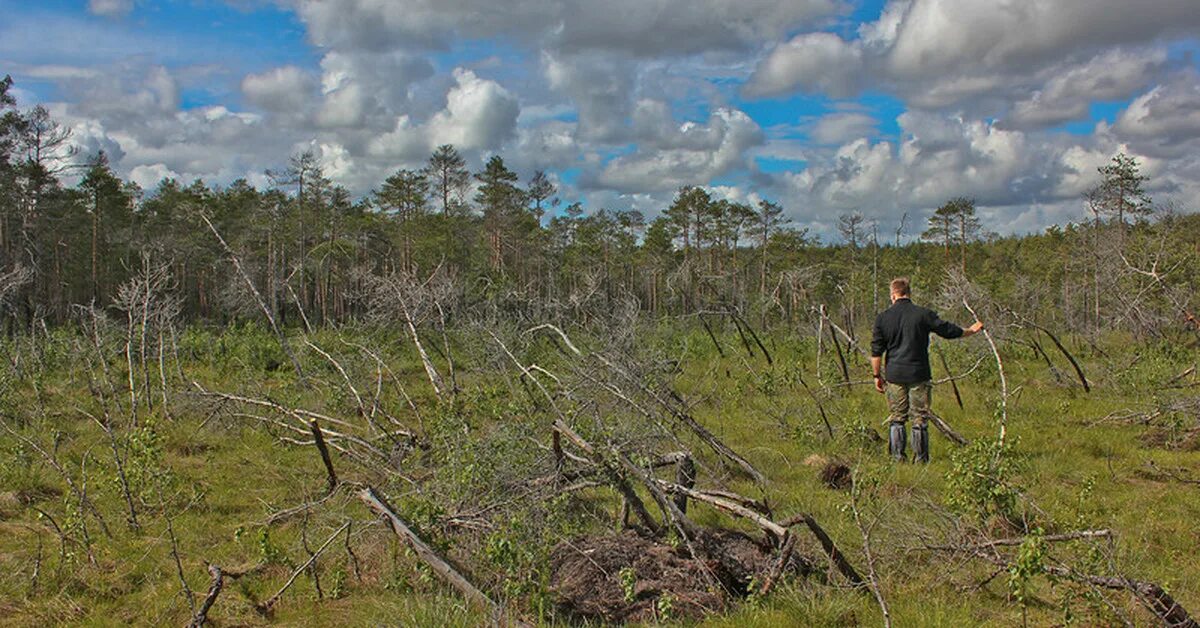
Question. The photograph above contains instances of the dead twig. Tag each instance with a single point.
(265, 607)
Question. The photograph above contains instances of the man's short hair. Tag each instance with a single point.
(901, 287)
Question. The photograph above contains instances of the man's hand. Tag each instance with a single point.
(973, 329)
(879, 383)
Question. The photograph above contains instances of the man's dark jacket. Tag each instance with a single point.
(902, 332)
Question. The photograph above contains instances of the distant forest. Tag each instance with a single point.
(305, 252)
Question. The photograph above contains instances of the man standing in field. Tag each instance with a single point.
(902, 334)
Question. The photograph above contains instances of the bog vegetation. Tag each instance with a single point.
(454, 402)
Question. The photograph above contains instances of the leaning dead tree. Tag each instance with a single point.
(258, 299)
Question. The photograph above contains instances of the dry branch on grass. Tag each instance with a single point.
(214, 590)
(267, 605)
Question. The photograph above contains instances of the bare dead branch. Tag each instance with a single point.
(214, 590)
(1003, 380)
(614, 476)
(831, 550)
(266, 606)
(262, 305)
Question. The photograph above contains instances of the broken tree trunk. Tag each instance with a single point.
(1151, 595)
(319, 439)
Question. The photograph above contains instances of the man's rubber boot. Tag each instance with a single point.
(897, 439)
(920, 443)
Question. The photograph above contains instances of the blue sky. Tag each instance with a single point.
(827, 106)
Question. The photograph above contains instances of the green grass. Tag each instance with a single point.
(222, 476)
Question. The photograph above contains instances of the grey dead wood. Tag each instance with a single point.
(831, 549)
(440, 566)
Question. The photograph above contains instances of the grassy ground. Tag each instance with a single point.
(213, 478)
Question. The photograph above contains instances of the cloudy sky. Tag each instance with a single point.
(826, 106)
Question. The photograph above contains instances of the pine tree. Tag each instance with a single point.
(447, 174)
(541, 189)
(110, 206)
(1120, 193)
(403, 195)
(502, 203)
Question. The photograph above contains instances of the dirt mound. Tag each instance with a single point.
(628, 578)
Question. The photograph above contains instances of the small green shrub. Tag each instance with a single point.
(982, 480)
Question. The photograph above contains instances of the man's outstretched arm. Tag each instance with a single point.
(946, 329)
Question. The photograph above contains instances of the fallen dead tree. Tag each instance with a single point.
(1171, 423)
(603, 418)
(440, 566)
(1004, 554)
(1025, 321)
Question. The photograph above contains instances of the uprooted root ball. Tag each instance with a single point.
(628, 578)
(836, 475)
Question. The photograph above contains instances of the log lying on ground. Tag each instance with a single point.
(1049, 538)
(1151, 595)
(945, 428)
(440, 566)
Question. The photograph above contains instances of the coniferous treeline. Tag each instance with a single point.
(309, 247)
